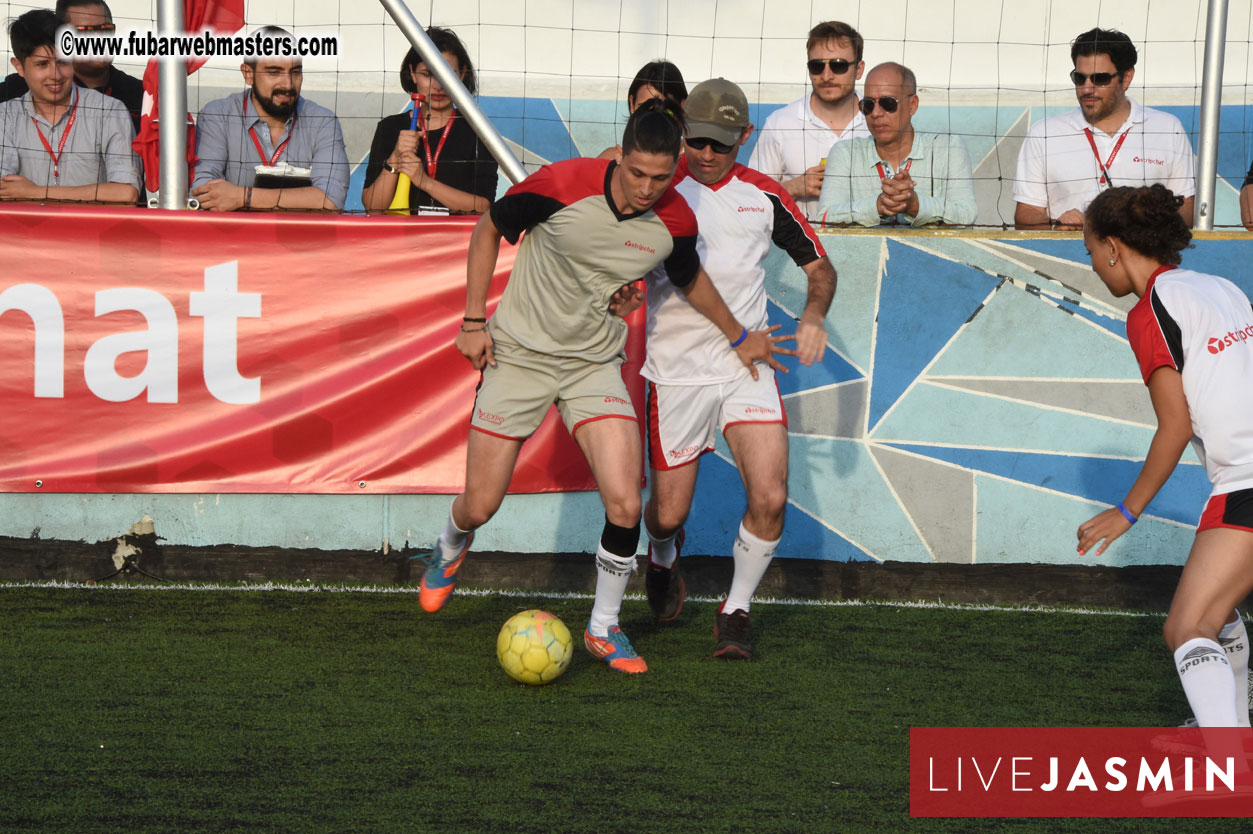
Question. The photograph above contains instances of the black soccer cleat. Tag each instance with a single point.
(664, 586)
(734, 635)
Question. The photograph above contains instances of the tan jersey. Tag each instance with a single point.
(578, 251)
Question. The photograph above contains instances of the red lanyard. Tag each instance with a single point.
(1104, 166)
(432, 162)
(69, 123)
(883, 172)
(282, 145)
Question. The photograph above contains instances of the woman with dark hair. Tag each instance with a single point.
(1192, 334)
(557, 336)
(656, 79)
(448, 166)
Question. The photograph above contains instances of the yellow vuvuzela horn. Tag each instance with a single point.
(400, 200)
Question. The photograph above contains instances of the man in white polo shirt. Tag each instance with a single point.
(793, 143)
(1110, 140)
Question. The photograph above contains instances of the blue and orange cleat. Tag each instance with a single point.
(440, 578)
(615, 649)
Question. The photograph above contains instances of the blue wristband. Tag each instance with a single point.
(1126, 513)
(743, 336)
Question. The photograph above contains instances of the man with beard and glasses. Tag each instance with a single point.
(242, 138)
(1110, 140)
(900, 175)
(793, 143)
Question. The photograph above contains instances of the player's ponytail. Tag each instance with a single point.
(1147, 219)
(656, 126)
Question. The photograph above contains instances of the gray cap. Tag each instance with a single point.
(716, 109)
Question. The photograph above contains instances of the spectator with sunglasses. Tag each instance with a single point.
(899, 175)
(90, 16)
(1110, 140)
(793, 143)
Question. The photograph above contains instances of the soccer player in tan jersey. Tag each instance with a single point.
(592, 226)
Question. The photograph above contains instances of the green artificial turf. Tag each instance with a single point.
(276, 711)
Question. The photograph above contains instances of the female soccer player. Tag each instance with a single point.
(1193, 337)
(591, 226)
(447, 164)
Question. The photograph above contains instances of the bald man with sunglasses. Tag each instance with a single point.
(1109, 140)
(899, 176)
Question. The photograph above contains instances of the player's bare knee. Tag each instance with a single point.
(768, 504)
(476, 512)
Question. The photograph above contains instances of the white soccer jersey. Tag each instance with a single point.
(1059, 170)
(738, 218)
(793, 140)
(1202, 326)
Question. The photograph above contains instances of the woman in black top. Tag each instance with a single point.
(447, 164)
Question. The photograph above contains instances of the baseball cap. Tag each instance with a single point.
(716, 109)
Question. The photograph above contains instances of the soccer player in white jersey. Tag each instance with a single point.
(1193, 337)
(695, 388)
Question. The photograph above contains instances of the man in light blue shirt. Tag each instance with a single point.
(265, 126)
(898, 176)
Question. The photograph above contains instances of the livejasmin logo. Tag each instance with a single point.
(1030, 774)
(1218, 344)
(221, 305)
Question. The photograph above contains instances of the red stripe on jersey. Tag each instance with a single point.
(568, 181)
(1146, 336)
(676, 213)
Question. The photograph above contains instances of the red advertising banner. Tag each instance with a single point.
(1079, 772)
(153, 351)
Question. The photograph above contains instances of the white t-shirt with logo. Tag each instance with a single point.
(1202, 326)
(1058, 169)
(739, 218)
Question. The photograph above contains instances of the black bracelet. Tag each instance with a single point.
(480, 321)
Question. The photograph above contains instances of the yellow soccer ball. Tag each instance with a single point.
(534, 647)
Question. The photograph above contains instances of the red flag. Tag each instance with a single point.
(224, 16)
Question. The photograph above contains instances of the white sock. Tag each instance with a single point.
(1235, 641)
(752, 557)
(612, 574)
(452, 540)
(662, 552)
(1207, 682)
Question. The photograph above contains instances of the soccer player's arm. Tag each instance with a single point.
(1164, 379)
(474, 340)
(792, 233)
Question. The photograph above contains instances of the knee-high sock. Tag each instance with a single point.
(615, 560)
(612, 574)
(752, 557)
(452, 540)
(1235, 641)
(1207, 681)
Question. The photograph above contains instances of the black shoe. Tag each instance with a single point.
(734, 633)
(664, 586)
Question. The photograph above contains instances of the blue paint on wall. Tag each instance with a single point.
(924, 300)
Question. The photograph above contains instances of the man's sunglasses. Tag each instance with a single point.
(701, 142)
(888, 103)
(1099, 79)
(99, 27)
(838, 65)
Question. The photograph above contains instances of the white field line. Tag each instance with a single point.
(311, 587)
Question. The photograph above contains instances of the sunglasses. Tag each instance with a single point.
(887, 103)
(701, 142)
(99, 27)
(838, 65)
(1099, 79)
